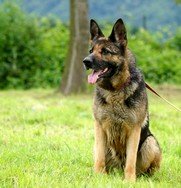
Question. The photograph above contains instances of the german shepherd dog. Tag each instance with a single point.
(122, 135)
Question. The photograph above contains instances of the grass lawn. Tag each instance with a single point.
(46, 140)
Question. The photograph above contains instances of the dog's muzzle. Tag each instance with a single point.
(88, 61)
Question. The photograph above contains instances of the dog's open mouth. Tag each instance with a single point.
(93, 77)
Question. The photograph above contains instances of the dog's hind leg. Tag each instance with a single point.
(149, 157)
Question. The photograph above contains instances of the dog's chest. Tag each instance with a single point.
(114, 120)
(113, 111)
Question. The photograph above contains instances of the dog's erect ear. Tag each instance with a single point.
(119, 33)
(95, 30)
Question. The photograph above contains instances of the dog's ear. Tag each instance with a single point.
(118, 34)
(95, 31)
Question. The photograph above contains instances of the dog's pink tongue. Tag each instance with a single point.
(92, 78)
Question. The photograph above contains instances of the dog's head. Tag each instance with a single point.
(107, 57)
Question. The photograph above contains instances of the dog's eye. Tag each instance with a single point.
(90, 51)
(105, 51)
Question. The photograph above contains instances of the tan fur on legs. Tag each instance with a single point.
(149, 156)
(131, 153)
(99, 149)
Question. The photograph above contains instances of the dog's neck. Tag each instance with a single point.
(126, 83)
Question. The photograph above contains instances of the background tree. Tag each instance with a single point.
(74, 75)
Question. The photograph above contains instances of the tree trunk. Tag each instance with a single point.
(73, 80)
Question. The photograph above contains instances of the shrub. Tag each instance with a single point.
(159, 61)
(31, 51)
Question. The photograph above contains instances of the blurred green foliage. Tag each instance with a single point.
(33, 50)
(160, 61)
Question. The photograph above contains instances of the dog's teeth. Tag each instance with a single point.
(105, 70)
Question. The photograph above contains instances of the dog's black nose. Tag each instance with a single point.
(88, 62)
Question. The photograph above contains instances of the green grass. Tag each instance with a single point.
(46, 140)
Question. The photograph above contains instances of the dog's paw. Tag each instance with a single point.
(130, 179)
(130, 175)
(98, 168)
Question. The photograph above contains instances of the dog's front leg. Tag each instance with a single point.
(99, 149)
(131, 153)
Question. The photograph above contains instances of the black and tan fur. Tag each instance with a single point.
(122, 135)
